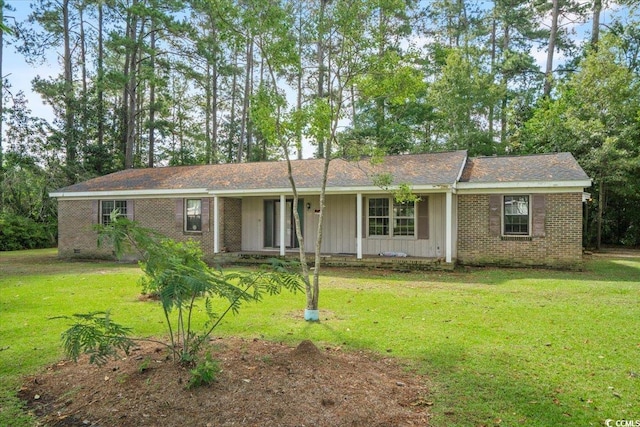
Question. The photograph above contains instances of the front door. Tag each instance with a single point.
(272, 223)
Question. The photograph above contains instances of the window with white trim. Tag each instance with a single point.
(193, 215)
(404, 219)
(389, 218)
(516, 215)
(109, 206)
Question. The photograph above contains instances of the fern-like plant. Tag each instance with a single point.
(178, 274)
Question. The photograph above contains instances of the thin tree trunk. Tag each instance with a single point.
(595, 24)
(131, 91)
(100, 90)
(245, 99)
(299, 83)
(71, 149)
(548, 75)
(1, 107)
(85, 92)
(214, 96)
(232, 115)
(152, 96)
(505, 87)
(207, 115)
(493, 68)
(600, 214)
(321, 67)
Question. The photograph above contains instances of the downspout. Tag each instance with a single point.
(216, 226)
(449, 212)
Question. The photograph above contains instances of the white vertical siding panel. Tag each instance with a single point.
(252, 227)
(340, 232)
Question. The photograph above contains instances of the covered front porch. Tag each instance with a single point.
(357, 226)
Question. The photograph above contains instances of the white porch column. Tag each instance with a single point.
(449, 226)
(359, 226)
(216, 226)
(283, 220)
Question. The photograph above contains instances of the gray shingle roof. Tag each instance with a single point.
(530, 168)
(431, 169)
(416, 169)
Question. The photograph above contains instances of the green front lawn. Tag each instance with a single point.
(500, 346)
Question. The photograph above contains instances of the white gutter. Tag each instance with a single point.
(469, 187)
(314, 191)
(129, 193)
(462, 166)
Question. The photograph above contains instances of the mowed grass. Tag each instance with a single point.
(498, 346)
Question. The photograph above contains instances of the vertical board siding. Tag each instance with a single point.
(339, 234)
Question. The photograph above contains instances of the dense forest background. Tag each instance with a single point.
(145, 83)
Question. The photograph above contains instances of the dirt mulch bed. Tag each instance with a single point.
(262, 383)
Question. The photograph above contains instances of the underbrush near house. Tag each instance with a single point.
(482, 347)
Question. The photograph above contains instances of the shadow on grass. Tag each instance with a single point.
(595, 269)
(475, 389)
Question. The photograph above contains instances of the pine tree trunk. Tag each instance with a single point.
(548, 75)
(595, 24)
(1, 108)
(100, 90)
(152, 96)
(71, 149)
(245, 99)
(214, 96)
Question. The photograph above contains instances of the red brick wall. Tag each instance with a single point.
(231, 235)
(561, 245)
(77, 217)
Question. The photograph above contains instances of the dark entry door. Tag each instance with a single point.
(272, 223)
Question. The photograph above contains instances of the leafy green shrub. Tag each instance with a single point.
(205, 372)
(177, 273)
(96, 335)
(17, 233)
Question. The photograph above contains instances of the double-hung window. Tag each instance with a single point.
(193, 215)
(109, 206)
(387, 216)
(379, 217)
(404, 219)
(516, 215)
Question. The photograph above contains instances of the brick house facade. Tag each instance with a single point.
(511, 210)
(560, 245)
(77, 219)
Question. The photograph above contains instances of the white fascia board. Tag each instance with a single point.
(203, 192)
(136, 194)
(532, 186)
(332, 191)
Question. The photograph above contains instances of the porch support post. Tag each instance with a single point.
(449, 226)
(216, 226)
(283, 217)
(359, 226)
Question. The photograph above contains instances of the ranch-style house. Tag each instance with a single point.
(500, 210)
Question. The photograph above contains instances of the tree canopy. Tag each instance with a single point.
(144, 83)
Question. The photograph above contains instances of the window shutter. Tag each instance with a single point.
(495, 215)
(423, 218)
(180, 214)
(130, 204)
(364, 219)
(205, 213)
(95, 212)
(365, 216)
(539, 202)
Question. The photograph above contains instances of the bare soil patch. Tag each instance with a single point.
(261, 384)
